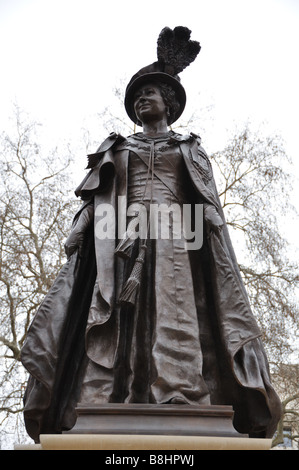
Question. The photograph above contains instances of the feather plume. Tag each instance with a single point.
(175, 50)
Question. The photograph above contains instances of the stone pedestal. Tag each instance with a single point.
(134, 442)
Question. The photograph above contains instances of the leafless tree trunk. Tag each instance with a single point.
(36, 209)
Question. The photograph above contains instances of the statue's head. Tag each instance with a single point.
(171, 90)
(175, 51)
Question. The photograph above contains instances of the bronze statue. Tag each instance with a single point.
(136, 317)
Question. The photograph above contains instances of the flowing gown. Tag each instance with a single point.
(159, 357)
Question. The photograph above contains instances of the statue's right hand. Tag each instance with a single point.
(75, 239)
(74, 242)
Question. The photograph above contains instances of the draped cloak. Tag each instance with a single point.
(79, 319)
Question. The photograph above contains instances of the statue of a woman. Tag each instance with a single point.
(140, 314)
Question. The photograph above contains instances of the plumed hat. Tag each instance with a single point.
(175, 51)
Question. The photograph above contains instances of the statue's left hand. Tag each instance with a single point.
(213, 219)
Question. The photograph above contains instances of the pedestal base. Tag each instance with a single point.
(147, 419)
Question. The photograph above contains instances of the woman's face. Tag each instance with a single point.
(149, 105)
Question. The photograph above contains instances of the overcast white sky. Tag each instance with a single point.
(61, 58)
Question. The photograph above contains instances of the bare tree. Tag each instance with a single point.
(36, 208)
(286, 380)
(254, 188)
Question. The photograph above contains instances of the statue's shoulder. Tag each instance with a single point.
(196, 137)
(112, 140)
(109, 143)
(190, 138)
(198, 156)
(201, 149)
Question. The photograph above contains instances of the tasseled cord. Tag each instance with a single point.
(131, 287)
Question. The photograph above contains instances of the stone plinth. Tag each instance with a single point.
(133, 442)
